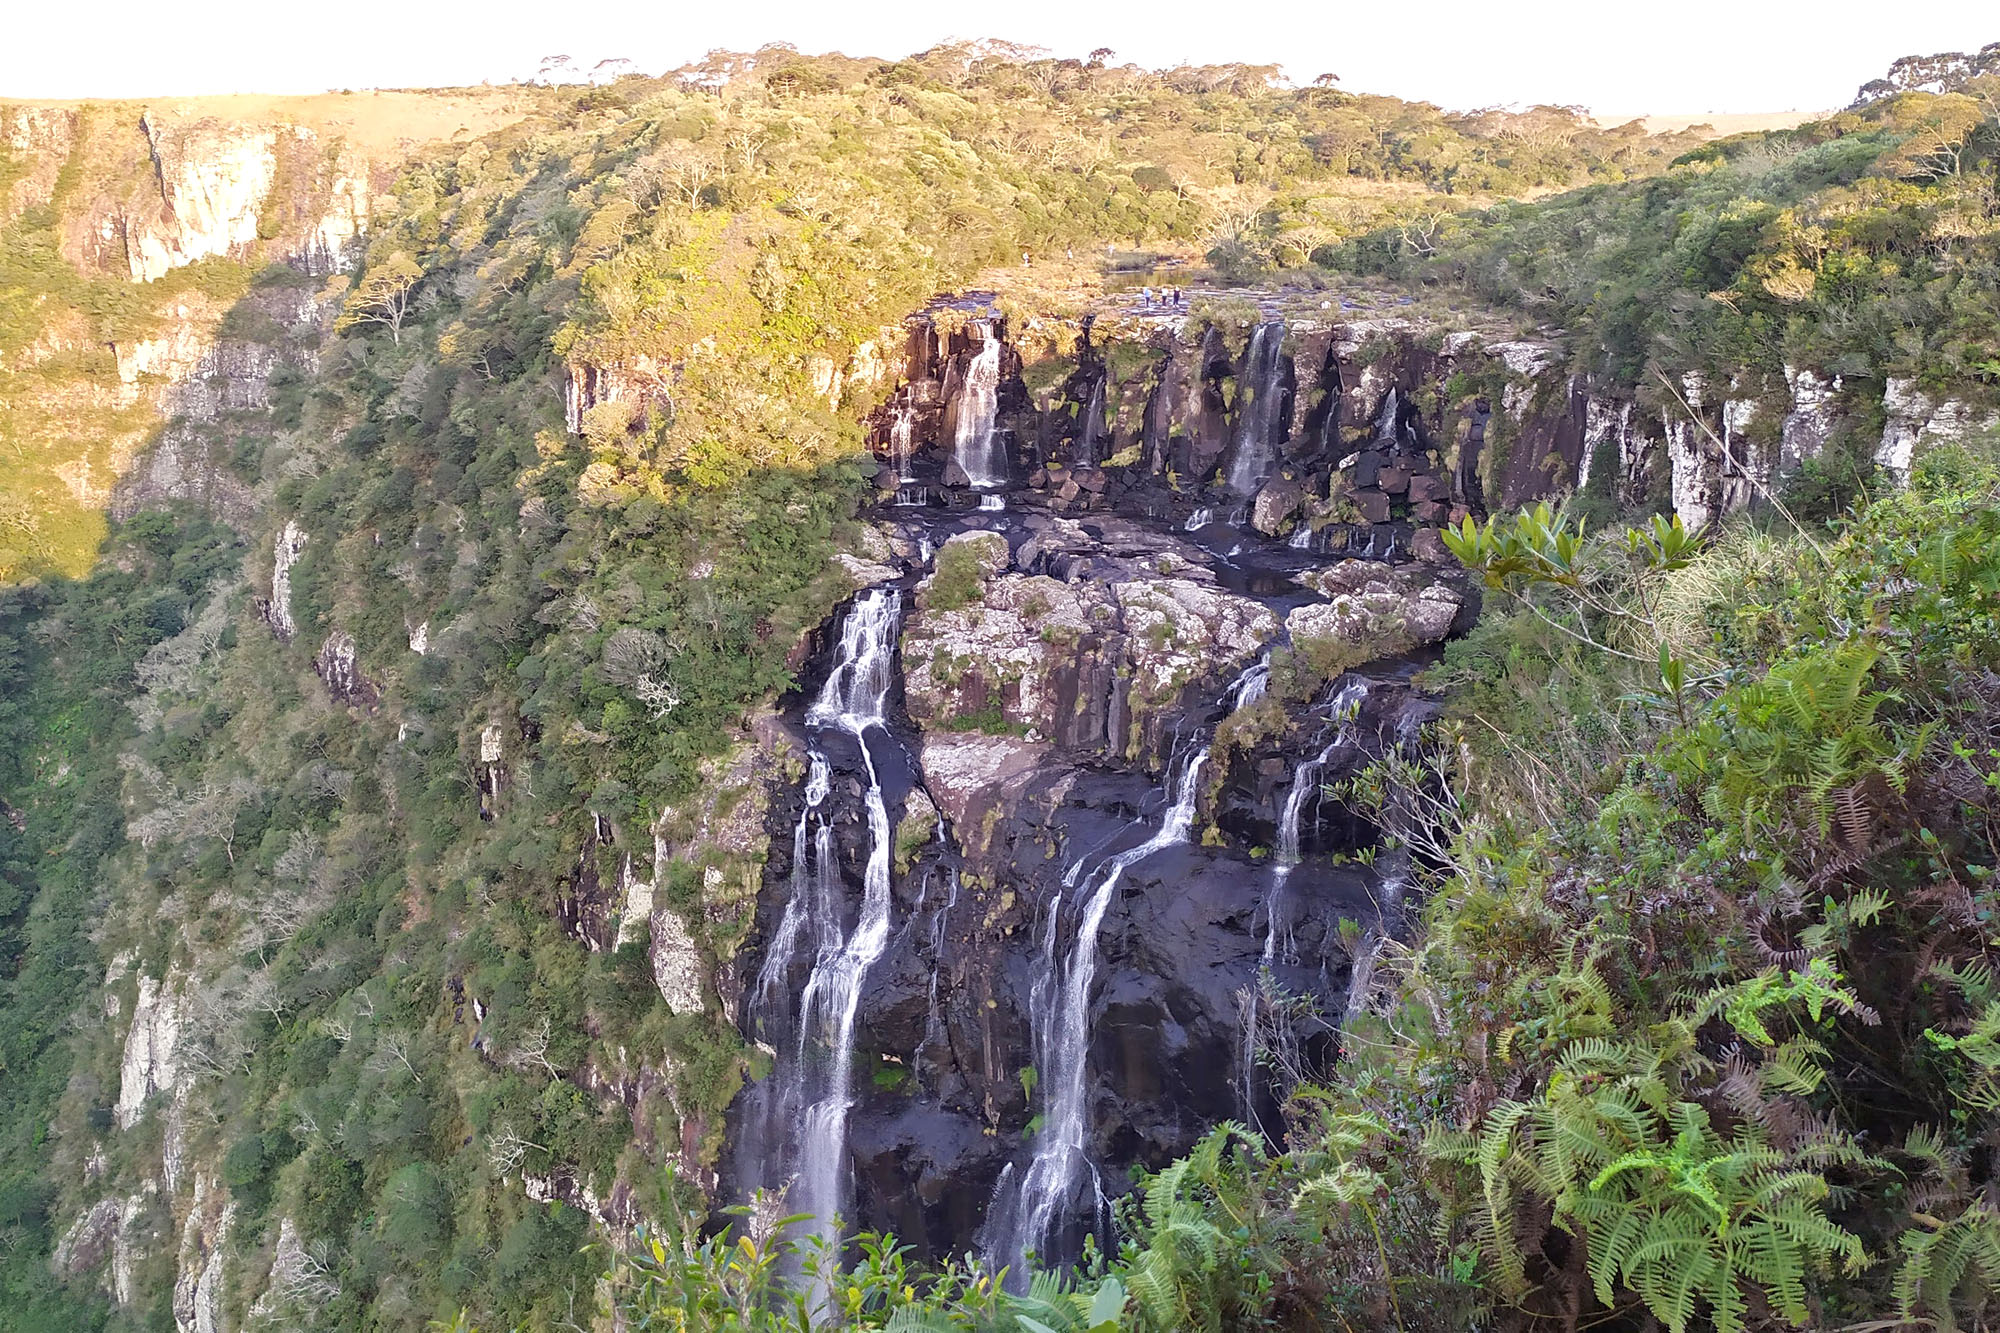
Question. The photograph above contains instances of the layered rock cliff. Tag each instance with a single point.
(1366, 429)
(181, 260)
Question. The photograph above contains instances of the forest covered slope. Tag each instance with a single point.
(428, 565)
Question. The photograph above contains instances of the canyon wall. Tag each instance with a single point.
(1371, 427)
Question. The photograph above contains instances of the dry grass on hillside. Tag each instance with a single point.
(377, 124)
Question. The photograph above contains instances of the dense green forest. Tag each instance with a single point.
(1700, 1026)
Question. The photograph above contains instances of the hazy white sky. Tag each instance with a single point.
(1610, 55)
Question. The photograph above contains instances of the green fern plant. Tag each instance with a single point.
(1951, 1251)
(1666, 1207)
(1799, 750)
(1949, 1268)
(1190, 1273)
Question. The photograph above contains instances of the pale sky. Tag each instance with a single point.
(1671, 57)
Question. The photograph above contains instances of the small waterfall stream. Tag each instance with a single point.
(1090, 427)
(1279, 946)
(975, 446)
(1029, 1213)
(1263, 381)
(805, 1119)
(1344, 709)
(903, 440)
(1034, 1206)
(1252, 685)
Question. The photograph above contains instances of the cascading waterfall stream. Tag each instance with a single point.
(934, 1029)
(903, 440)
(1090, 427)
(1252, 685)
(1279, 946)
(1344, 709)
(1033, 1206)
(974, 444)
(815, 1085)
(1257, 419)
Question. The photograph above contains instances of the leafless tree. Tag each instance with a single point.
(1420, 233)
(302, 1274)
(657, 693)
(393, 1048)
(631, 653)
(746, 144)
(507, 1150)
(209, 811)
(686, 171)
(532, 1052)
(584, 615)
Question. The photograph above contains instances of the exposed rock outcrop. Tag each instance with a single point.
(285, 552)
(152, 1044)
(336, 666)
(1375, 611)
(1380, 426)
(1089, 663)
(1913, 418)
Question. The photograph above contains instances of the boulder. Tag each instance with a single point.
(1372, 506)
(989, 548)
(1428, 546)
(1078, 664)
(862, 573)
(970, 775)
(1276, 503)
(1375, 610)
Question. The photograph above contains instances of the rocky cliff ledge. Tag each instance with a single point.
(1360, 428)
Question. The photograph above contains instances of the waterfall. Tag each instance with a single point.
(1302, 540)
(1253, 684)
(1394, 868)
(934, 1029)
(1345, 708)
(974, 445)
(1199, 519)
(1279, 946)
(1090, 427)
(1030, 1214)
(1361, 979)
(1261, 394)
(902, 440)
(804, 1116)
(1389, 418)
